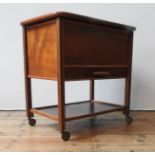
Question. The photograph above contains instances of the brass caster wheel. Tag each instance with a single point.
(65, 135)
(129, 119)
(32, 122)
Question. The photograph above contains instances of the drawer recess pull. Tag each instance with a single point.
(101, 73)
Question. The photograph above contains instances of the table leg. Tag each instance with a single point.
(61, 110)
(127, 100)
(91, 95)
(28, 95)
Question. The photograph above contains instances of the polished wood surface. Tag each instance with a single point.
(78, 110)
(65, 47)
(94, 45)
(42, 54)
(76, 17)
(28, 91)
(85, 73)
(106, 133)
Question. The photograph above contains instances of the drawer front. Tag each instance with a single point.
(86, 44)
(94, 73)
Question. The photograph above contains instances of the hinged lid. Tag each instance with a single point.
(76, 17)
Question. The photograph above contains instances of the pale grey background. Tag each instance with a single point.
(45, 92)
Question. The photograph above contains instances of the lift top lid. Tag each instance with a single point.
(76, 17)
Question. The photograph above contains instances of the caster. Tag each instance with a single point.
(65, 135)
(129, 119)
(32, 122)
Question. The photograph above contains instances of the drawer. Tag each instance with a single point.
(80, 73)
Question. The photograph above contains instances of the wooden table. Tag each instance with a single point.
(65, 47)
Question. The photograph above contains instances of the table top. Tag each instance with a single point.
(77, 17)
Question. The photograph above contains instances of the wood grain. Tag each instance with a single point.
(65, 46)
(89, 135)
(42, 50)
(94, 45)
(77, 17)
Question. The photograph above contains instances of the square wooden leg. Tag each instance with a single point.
(28, 95)
(61, 105)
(61, 110)
(127, 96)
(91, 95)
(127, 100)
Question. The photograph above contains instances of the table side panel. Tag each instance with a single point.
(42, 50)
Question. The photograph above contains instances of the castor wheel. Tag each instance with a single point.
(32, 122)
(129, 119)
(65, 135)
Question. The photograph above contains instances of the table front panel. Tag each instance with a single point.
(85, 44)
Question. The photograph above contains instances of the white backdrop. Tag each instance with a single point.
(45, 92)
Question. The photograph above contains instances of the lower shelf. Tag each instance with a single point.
(78, 110)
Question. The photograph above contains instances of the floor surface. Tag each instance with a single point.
(108, 132)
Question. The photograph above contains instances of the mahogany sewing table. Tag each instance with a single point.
(63, 46)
